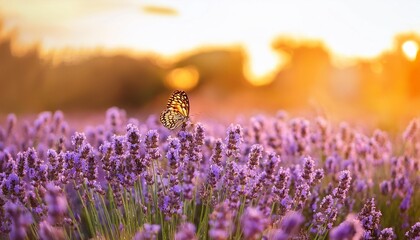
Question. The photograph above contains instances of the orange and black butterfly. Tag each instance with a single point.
(177, 110)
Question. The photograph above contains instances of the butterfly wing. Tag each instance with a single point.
(177, 112)
(179, 102)
(172, 119)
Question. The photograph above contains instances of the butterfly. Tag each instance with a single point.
(177, 110)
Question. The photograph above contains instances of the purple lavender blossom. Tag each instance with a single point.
(216, 157)
(56, 203)
(78, 140)
(152, 154)
(360, 185)
(405, 204)
(253, 223)
(69, 167)
(20, 221)
(152, 147)
(52, 164)
(331, 165)
(36, 169)
(186, 231)
(344, 180)
(239, 180)
(221, 222)
(326, 215)
(233, 141)
(255, 157)
(230, 185)
(291, 223)
(187, 183)
(91, 170)
(387, 234)
(385, 187)
(257, 124)
(114, 121)
(213, 176)
(414, 232)
(48, 232)
(149, 232)
(308, 170)
(350, 229)
(123, 165)
(58, 118)
(270, 166)
(243, 180)
(106, 150)
(302, 194)
(257, 188)
(173, 153)
(31, 199)
(300, 134)
(370, 218)
(318, 176)
(174, 205)
(13, 187)
(281, 190)
(20, 169)
(199, 135)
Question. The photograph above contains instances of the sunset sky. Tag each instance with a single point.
(350, 28)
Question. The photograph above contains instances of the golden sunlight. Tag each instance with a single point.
(410, 49)
(261, 65)
(184, 78)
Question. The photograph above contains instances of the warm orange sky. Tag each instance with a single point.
(349, 28)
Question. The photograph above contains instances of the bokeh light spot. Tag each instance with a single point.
(410, 49)
(184, 78)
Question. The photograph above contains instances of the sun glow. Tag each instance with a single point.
(261, 65)
(410, 49)
(184, 78)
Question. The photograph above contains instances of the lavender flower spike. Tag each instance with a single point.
(220, 222)
(21, 219)
(149, 232)
(216, 157)
(291, 222)
(57, 204)
(308, 169)
(340, 192)
(233, 140)
(255, 156)
(414, 232)
(370, 218)
(253, 223)
(387, 234)
(186, 232)
(350, 229)
(152, 147)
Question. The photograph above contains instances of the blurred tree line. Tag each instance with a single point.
(31, 84)
(388, 84)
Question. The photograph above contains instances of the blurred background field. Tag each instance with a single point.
(354, 61)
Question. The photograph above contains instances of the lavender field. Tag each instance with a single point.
(267, 177)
